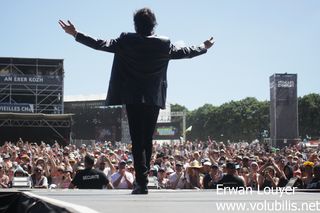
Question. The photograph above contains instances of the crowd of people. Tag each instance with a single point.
(182, 165)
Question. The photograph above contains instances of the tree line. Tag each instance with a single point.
(246, 119)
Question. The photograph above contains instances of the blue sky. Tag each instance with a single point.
(254, 39)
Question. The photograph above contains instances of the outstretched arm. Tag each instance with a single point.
(190, 52)
(97, 44)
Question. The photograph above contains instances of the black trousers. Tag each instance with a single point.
(142, 122)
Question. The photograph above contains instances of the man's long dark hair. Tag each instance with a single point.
(144, 21)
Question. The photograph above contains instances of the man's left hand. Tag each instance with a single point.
(208, 43)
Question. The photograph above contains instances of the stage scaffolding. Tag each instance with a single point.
(31, 99)
(36, 84)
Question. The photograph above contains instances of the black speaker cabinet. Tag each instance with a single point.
(283, 109)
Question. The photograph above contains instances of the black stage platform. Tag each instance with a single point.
(163, 201)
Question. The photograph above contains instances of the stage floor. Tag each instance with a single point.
(195, 201)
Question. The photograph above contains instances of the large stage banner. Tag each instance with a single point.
(16, 108)
(30, 79)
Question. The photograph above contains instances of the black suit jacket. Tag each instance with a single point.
(139, 70)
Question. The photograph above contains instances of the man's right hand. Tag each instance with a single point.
(70, 29)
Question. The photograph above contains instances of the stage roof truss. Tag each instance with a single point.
(35, 123)
(17, 120)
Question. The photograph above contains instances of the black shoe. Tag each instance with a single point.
(139, 190)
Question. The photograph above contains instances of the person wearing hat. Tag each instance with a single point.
(38, 180)
(25, 158)
(239, 159)
(268, 177)
(7, 162)
(169, 170)
(153, 172)
(122, 179)
(230, 179)
(206, 167)
(211, 179)
(177, 179)
(290, 159)
(194, 180)
(40, 162)
(90, 178)
(129, 162)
